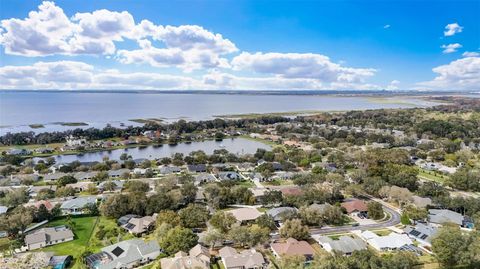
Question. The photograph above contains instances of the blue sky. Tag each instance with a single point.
(241, 45)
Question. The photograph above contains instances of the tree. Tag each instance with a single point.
(15, 197)
(136, 186)
(42, 213)
(100, 176)
(65, 191)
(375, 210)
(170, 217)
(272, 197)
(17, 220)
(159, 201)
(115, 206)
(194, 216)
(213, 236)
(45, 194)
(266, 221)
(189, 192)
(292, 262)
(223, 221)
(178, 239)
(311, 216)
(66, 180)
(453, 248)
(294, 228)
(249, 235)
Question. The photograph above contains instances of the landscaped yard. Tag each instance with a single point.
(108, 225)
(82, 228)
(433, 176)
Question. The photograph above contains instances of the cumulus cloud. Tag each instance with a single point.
(79, 75)
(49, 31)
(470, 54)
(393, 86)
(461, 74)
(300, 65)
(451, 47)
(452, 29)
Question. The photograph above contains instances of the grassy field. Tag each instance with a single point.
(278, 182)
(108, 224)
(83, 228)
(246, 183)
(433, 176)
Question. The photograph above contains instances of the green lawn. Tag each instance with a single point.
(108, 224)
(433, 176)
(83, 227)
(246, 183)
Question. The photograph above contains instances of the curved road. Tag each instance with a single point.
(394, 220)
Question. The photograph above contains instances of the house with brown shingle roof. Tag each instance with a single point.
(293, 247)
(138, 226)
(355, 206)
(246, 259)
(197, 258)
(245, 214)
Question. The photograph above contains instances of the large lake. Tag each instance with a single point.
(20, 109)
(233, 145)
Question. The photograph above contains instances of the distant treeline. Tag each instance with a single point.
(179, 127)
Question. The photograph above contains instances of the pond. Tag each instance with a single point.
(233, 145)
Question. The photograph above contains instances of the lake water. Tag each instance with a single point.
(234, 145)
(20, 109)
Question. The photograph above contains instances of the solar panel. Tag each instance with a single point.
(415, 233)
(423, 236)
(117, 251)
(130, 226)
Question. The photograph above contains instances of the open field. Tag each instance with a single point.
(432, 176)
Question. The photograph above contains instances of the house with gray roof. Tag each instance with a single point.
(277, 213)
(54, 176)
(345, 245)
(197, 168)
(246, 259)
(229, 175)
(118, 185)
(118, 173)
(3, 209)
(422, 233)
(443, 216)
(47, 237)
(165, 170)
(204, 178)
(83, 176)
(76, 206)
(140, 225)
(125, 254)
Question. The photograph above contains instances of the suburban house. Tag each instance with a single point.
(355, 206)
(124, 219)
(80, 186)
(322, 208)
(291, 191)
(293, 247)
(138, 226)
(54, 176)
(422, 233)
(393, 241)
(197, 258)
(165, 170)
(34, 190)
(125, 254)
(421, 202)
(204, 178)
(278, 213)
(84, 176)
(345, 245)
(443, 216)
(3, 209)
(197, 168)
(48, 205)
(117, 187)
(76, 206)
(47, 237)
(247, 259)
(118, 173)
(245, 214)
(228, 175)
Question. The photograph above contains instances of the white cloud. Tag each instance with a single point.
(297, 65)
(461, 74)
(451, 47)
(79, 75)
(393, 86)
(470, 54)
(49, 31)
(452, 29)
(386, 26)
